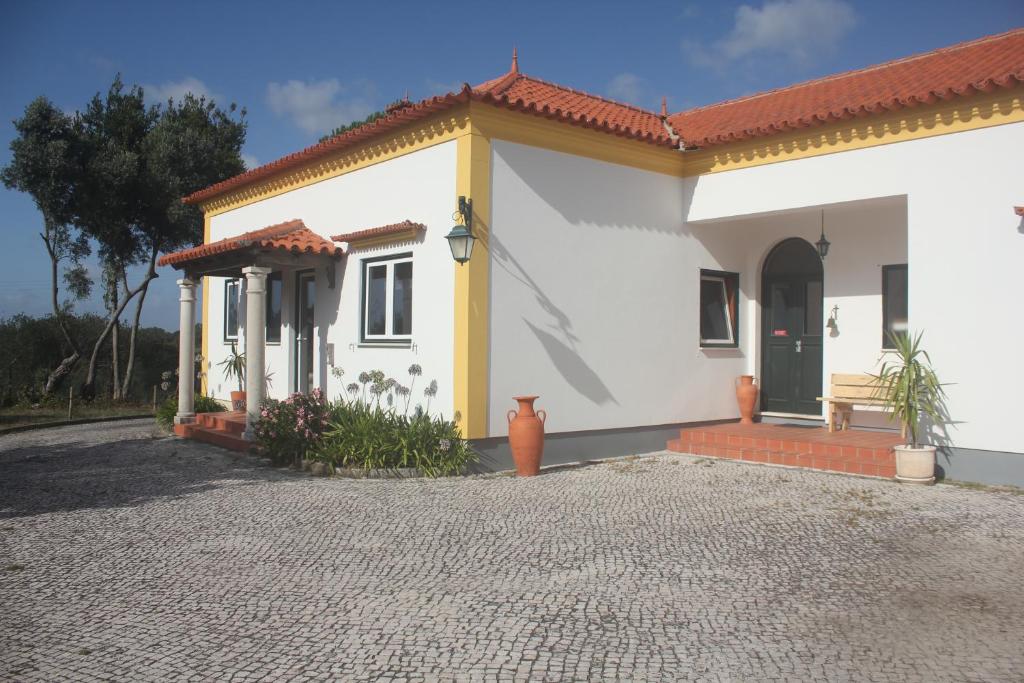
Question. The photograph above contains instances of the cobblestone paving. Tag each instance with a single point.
(128, 557)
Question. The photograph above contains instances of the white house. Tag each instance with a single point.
(629, 265)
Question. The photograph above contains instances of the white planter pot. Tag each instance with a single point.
(915, 465)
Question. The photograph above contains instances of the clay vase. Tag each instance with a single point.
(238, 401)
(746, 397)
(526, 436)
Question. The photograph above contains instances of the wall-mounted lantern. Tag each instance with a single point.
(822, 244)
(461, 238)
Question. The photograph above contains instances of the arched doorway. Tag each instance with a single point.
(791, 325)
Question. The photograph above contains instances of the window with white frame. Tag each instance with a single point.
(387, 299)
(232, 292)
(719, 309)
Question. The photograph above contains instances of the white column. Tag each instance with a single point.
(255, 343)
(186, 352)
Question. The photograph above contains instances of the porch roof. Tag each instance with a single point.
(269, 246)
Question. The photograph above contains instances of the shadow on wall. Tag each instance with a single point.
(573, 368)
(328, 308)
(598, 202)
(561, 347)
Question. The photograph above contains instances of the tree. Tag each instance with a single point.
(44, 164)
(192, 145)
(108, 196)
(140, 162)
(114, 175)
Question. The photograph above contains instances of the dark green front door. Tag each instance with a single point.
(791, 358)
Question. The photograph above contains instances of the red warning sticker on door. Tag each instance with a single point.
(780, 333)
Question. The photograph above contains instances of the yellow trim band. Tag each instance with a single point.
(204, 385)
(422, 134)
(906, 124)
(472, 289)
(539, 132)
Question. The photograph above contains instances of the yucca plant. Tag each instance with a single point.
(234, 366)
(909, 385)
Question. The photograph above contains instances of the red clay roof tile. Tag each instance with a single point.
(382, 231)
(512, 91)
(1019, 210)
(524, 93)
(292, 236)
(961, 70)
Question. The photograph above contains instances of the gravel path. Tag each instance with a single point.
(125, 555)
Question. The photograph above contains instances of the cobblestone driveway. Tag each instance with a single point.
(126, 557)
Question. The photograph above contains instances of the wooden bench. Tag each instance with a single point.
(848, 391)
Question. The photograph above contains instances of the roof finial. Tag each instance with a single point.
(515, 60)
(664, 107)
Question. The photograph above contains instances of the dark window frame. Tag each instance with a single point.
(276, 276)
(228, 285)
(386, 339)
(886, 344)
(731, 280)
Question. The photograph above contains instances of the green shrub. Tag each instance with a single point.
(169, 408)
(361, 436)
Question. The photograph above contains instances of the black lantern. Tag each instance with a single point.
(822, 244)
(461, 238)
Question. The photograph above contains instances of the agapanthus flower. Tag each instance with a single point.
(415, 370)
(431, 390)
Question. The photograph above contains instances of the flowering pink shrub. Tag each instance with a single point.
(287, 429)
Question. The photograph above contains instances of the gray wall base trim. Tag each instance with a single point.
(570, 447)
(961, 464)
(982, 467)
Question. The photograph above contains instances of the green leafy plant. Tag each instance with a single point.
(366, 436)
(169, 408)
(371, 429)
(234, 367)
(910, 387)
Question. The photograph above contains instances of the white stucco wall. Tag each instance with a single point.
(965, 250)
(595, 285)
(589, 265)
(419, 187)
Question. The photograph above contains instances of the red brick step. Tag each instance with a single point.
(220, 429)
(852, 452)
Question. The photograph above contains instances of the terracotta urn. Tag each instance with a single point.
(746, 398)
(238, 401)
(526, 436)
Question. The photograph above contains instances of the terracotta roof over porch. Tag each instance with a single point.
(291, 237)
(404, 227)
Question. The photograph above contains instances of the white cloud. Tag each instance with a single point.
(320, 106)
(178, 89)
(626, 87)
(250, 161)
(799, 30)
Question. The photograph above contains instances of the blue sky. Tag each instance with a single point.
(302, 68)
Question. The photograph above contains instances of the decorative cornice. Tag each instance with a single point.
(385, 234)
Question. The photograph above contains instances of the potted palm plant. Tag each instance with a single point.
(911, 390)
(234, 367)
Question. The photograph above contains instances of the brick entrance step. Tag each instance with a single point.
(220, 429)
(850, 451)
